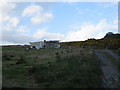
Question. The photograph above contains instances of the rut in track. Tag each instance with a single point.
(110, 73)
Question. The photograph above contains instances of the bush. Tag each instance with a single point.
(57, 56)
(21, 60)
(6, 57)
(41, 73)
(67, 51)
(61, 51)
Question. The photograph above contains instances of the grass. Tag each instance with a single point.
(70, 72)
(21, 60)
(50, 68)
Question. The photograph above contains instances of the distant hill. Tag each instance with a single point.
(110, 40)
(111, 35)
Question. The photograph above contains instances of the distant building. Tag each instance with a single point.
(37, 45)
(45, 44)
(52, 44)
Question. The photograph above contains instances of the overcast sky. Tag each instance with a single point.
(24, 22)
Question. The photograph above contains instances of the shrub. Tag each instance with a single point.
(32, 70)
(67, 51)
(6, 57)
(11, 56)
(57, 56)
(61, 51)
(21, 60)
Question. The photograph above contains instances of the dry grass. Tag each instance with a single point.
(50, 68)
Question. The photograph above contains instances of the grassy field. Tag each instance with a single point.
(50, 68)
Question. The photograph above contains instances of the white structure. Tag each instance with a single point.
(37, 45)
(45, 44)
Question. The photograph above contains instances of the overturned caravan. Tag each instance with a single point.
(45, 44)
(37, 45)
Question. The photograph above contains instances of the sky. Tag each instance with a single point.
(24, 22)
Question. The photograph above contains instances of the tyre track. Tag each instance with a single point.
(110, 73)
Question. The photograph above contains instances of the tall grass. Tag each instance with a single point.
(70, 72)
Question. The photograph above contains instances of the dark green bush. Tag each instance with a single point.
(21, 60)
(6, 57)
(57, 55)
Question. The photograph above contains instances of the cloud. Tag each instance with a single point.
(41, 18)
(42, 34)
(90, 30)
(6, 43)
(83, 32)
(70, 1)
(15, 35)
(87, 30)
(14, 21)
(7, 7)
(4, 19)
(22, 35)
(22, 29)
(13, 32)
(10, 22)
(39, 15)
(108, 4)
(32, 10)
(60, 1)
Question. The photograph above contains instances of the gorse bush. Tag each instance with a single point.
(109, 41)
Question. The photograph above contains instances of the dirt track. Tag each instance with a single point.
(110, 73)
(115, 56)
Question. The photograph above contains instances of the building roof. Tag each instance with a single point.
(52, 41)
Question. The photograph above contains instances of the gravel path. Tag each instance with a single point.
(110, 73)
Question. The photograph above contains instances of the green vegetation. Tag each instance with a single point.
(50, 68)
(70, 72)
(111, 41)
(72, 66)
